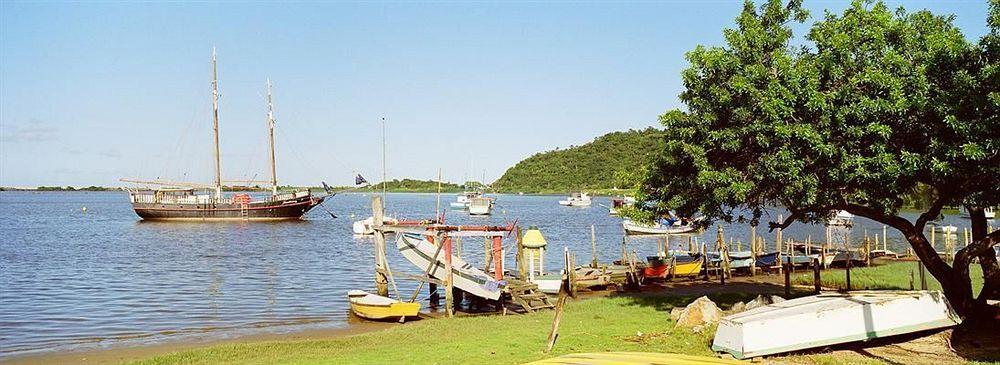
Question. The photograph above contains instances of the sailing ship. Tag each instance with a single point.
(204, 202)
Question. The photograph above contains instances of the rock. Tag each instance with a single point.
(763, 300)
(738, 307)
(700, 312)
(675, 313)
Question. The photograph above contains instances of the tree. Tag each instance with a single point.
(876, 104)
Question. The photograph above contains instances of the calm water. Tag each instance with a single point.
(70, 279)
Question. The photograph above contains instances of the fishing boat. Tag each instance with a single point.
(371, 306)
(418, 250)
(678, 227)
(830, 319)
(463, 199)
(841, 218)
(683, 265)
(206, 202)
(481, 206)
(577, 200)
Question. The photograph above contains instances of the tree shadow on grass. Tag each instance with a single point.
(668, 295)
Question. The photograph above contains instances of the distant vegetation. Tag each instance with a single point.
(589, 167)
(57, 188)
(418, 186)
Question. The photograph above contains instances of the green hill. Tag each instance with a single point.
(588, 167)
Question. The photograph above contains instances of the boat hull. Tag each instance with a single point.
(416, 249)
(255, 211)
(636, 229)
(371, 306)
(829, 319)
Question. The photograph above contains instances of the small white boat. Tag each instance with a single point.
(464, 199)
(416, 249)
(842, 218)
(949, 229)
(367, 226)
(988, 212)
(481, 206)
(829, 319)
(577, 200)
(658, 228)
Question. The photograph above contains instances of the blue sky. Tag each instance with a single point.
(92, 92)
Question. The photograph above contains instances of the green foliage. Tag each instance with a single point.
(591, 166)
(413, 185)
(881, 102)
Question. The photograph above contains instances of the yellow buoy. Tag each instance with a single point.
(533, 238)
(84, 209)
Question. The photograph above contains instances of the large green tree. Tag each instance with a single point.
(871, 105)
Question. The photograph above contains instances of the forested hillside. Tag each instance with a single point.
(587, 167)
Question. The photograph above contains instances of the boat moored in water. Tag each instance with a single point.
(577, 200)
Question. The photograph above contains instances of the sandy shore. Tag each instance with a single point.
(117, 355)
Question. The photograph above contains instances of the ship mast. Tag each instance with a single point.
(215, 126)
(270, 127)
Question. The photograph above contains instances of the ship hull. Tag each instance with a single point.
(255, 211)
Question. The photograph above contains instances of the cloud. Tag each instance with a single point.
(33, 131)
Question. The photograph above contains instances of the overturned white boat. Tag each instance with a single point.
(829, 319)
(416, 249)
(632, 227)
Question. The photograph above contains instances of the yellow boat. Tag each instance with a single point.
(688, 268)
(633, 358)
(371, 306)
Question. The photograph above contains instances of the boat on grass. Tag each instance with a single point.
(585, 277)
(417, 249)
(371, 306)
(830, 319)
(577, 200)
(683, 265)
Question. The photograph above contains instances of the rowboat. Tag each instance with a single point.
(684, 265)
(632, 227)
(576, 200)
(419, 251)
(633, 358)
(829, 319)
(371, 306)
(584, 277)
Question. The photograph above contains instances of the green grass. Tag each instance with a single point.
(591, 325)
(894, 275)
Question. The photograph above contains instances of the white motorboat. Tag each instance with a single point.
(577, 200)
(842, 218)
(367, 226)
(829, 319)
(464, 199)
(481, 206)
(416, 249)
(632, 227)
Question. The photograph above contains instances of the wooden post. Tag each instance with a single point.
(788, 281)
(933, 245)
(487, 255)
(923, 275)
(449, 281)
(817, 280)
(885, 239)
(593, 247)
(520, 256)
(624, 254)
(381, 280)
(868, 252)
(911, 279)
(554, 332)
(849, 259)
(497, 258)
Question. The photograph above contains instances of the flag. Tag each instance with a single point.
(360, 180)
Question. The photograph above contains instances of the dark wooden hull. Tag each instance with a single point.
(255, 211)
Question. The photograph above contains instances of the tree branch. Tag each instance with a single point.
(795, 214)
(930, 214)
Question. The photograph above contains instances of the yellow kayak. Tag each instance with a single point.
(371, 306)
(688, 268)
(633, 358)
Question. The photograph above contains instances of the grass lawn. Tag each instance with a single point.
(892, 275)
(617, 323)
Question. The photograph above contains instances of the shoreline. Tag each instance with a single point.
(123, 353)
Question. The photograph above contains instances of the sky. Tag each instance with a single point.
(91, 92)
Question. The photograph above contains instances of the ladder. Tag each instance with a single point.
(245, 211)
(526, 295)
